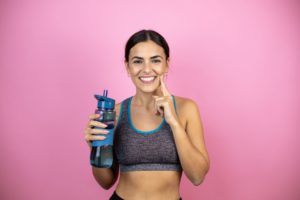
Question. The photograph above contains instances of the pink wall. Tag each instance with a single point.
(239, 60)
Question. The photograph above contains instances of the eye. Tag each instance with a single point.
(137, 61)
(156, 61)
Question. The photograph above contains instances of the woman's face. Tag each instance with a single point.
(147, 61)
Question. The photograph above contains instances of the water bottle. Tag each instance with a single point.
(102, 150)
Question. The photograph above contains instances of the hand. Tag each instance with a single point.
(91, 132)
(164, 104)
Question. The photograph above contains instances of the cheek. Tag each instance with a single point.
(159, 69)
(134, 71)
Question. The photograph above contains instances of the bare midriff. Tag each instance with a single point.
(149, 185)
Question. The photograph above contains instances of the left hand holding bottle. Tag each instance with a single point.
(164, 104)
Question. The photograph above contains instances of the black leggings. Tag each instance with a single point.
(114, 196)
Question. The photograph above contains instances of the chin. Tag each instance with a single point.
(148, 89)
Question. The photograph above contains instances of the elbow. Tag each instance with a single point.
(107, 187)
(105, 180)
(198, 181)
(200, 178)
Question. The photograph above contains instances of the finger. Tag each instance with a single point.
(99, 131)
(163, 87)
(161, 111)
(94, 116)
(89, 138)
(160, 108)
(93, 124)
(156, 98)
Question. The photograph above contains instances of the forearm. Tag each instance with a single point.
(194, 163)
(104, 176)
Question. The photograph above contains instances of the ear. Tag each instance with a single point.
(168, 62)
(127, 67)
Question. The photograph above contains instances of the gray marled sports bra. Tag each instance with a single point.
(144, 150)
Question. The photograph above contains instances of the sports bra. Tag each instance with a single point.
(137, 150)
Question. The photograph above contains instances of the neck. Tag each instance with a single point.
(145, 99)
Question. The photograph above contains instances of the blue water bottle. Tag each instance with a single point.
(102, 150)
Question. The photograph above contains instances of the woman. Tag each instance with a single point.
(157, 135)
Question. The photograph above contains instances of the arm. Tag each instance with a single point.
(106, 177)
(190, 140)
(190, 144)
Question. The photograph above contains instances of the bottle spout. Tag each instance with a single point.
(105, 92)
(104, 101)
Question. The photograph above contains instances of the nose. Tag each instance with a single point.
(147, 67)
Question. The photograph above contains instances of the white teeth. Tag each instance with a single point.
(147, 79)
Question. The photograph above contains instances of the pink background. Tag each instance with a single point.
(239, 60)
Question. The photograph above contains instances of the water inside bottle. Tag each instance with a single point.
(101, 156)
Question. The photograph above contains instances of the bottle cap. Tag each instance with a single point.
(104, 102)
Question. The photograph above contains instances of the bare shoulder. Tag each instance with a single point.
(185, 105)
(187, 110)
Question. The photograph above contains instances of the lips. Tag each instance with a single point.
(147, 79)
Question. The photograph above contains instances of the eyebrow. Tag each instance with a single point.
(141, 58)
(157, 56)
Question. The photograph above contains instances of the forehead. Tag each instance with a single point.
(146, 49)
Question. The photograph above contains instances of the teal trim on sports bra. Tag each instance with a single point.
(151, 131)
(174, 102)
(140, 131)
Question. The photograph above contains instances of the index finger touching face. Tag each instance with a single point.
(163, 87)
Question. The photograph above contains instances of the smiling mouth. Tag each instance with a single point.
(147, 79)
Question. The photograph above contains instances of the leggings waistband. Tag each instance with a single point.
(115, 196)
